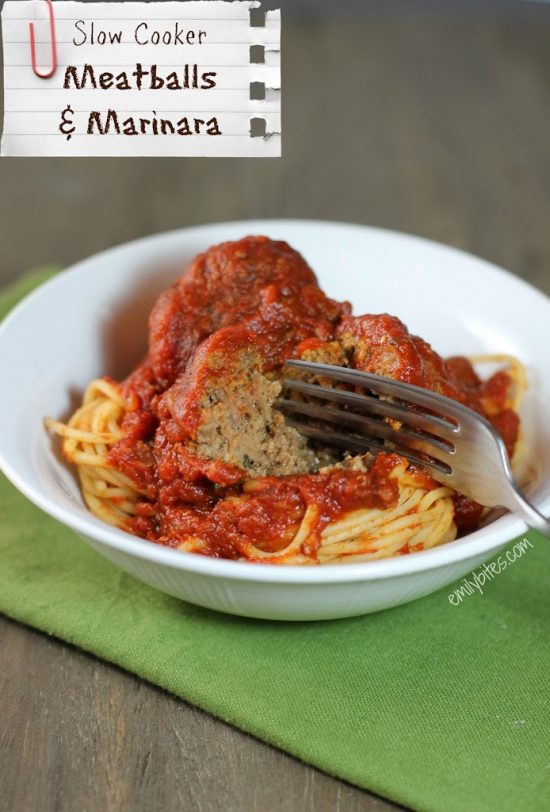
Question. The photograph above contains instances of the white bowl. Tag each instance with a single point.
(91, 320)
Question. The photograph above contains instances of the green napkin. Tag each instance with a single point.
(435, 706)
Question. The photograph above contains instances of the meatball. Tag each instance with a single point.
(220, 287)
(382, 344)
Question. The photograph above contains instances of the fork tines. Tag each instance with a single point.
(416, 433)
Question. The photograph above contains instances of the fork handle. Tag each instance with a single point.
(530, 515)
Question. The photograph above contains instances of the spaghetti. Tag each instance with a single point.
(87, 438)
(423, 516)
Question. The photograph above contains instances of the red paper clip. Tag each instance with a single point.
(53, 44)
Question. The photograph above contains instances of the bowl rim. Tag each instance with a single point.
(479, 543)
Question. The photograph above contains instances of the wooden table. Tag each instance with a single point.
(432, 123)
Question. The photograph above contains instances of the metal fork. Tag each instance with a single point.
(459, 447)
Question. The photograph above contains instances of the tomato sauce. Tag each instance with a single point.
(230, 520)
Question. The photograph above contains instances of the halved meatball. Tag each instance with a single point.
(223, 406)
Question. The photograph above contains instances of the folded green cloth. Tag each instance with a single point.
(433, 705)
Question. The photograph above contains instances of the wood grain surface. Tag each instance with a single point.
(429, 123)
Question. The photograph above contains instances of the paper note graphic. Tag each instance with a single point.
(142, 79)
